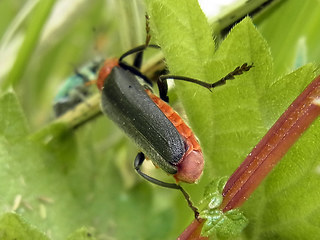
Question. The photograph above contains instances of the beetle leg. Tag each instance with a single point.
(139, 56)
(163, 88)
(148, 35)
(138, 60)
(138, 49)
(137, 165)
(237, 71)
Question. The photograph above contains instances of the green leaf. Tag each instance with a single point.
(61, 180)
(13, 227)
(231, 120)
(190, 37)
(290, 30)
(15, 127)
(59, 187)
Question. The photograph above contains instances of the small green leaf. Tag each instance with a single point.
(220, 225)
(14, 227)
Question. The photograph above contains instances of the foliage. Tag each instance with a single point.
(60, 180)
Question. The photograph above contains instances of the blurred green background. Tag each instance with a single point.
(85, 177)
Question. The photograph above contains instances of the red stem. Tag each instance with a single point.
(193, 231)
(273, 146)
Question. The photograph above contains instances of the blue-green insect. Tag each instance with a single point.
(74, 89)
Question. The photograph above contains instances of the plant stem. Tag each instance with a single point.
(272, 147)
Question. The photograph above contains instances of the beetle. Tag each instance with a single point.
(74, 89)
(155, 127)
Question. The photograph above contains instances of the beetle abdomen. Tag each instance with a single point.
(190, 166)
